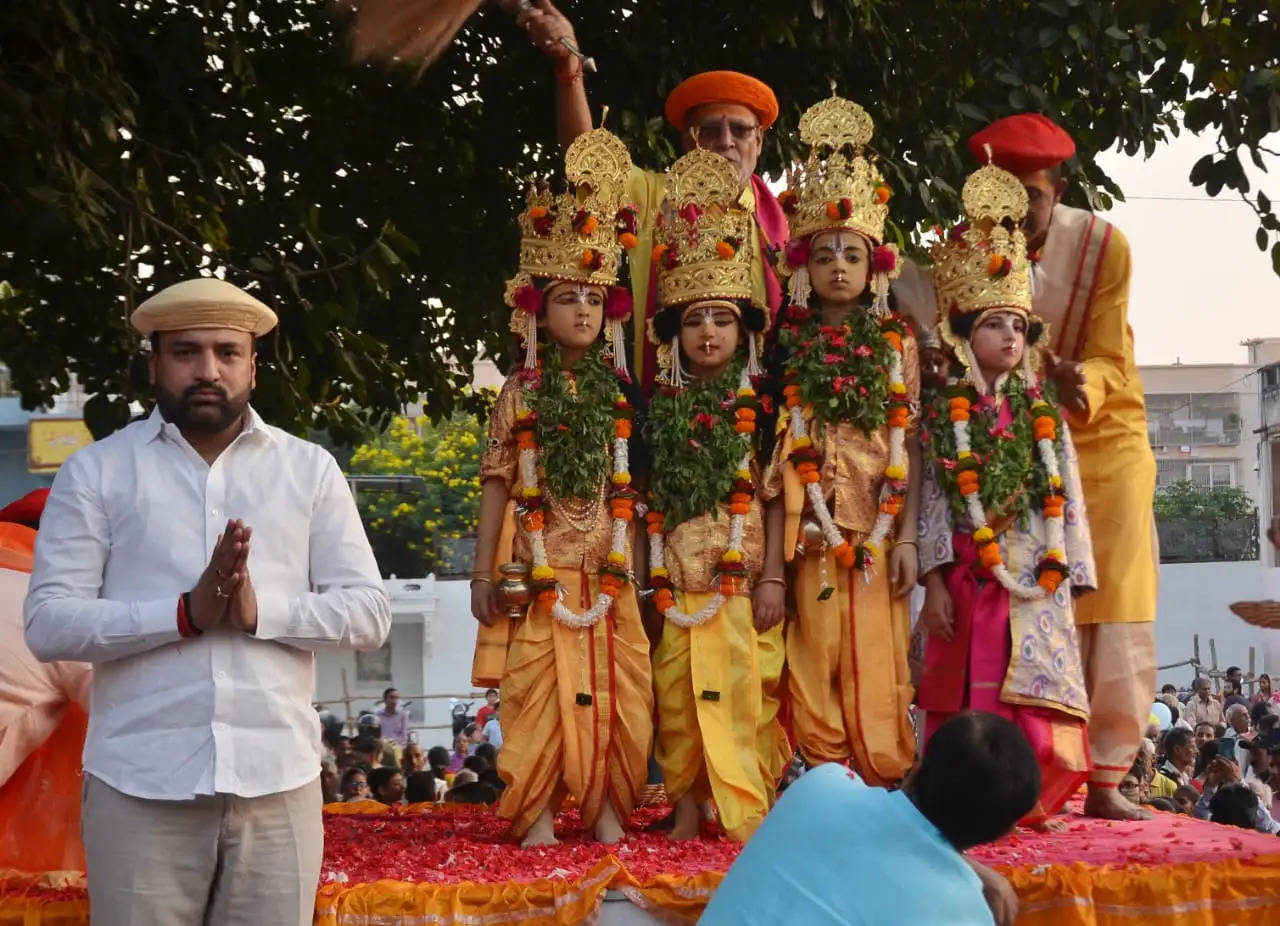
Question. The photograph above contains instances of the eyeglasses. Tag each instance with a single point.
(714, 129)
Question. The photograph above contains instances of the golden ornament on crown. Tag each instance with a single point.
(579, 235)
(703, 249)
(836, 187)
(982, 264)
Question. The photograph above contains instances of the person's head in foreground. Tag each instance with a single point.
(438, 760)
(1185, 799)
(978, 778)
(1235, 804)
(420, 787)
(1238, 718)
(1204, 733)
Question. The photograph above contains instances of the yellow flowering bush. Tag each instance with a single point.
(407, 531)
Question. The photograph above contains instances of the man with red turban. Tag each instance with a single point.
(1080, 279)
(723, 111)
(43, 715)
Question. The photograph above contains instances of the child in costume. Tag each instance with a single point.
(577, 696)
(716, 739)
(1004, 543)
(842, 490)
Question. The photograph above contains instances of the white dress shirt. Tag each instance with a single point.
(130, 525)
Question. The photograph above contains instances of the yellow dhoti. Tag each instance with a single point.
(848, 677)
(774, 747)
(710, 706)
(577, 710)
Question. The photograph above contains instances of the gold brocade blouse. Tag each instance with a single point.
(853, 462)
(694, 548)
(583, 543)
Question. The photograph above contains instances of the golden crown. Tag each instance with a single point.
(982, 264)
(836, 187)
(703, 250)
(579, 235)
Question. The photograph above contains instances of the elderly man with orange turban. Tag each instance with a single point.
(1080, 277)
(723, 111)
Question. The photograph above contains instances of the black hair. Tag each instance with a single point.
(469, 730)
(419, 787)
(379, 777)
(388, 692)
(1162, 803)
(962, 326)
(1268, 722)
(666, 324)
(476, 763)
(978, 778)
(1258, 711)
(1188, 793)
(364, 744)
(1231, 669)
(438, 756)
(489, 691)
(488, 753)
(1235, 804)
(1175, 737)
(1208, 752)
(351, 773)
(1169, 689)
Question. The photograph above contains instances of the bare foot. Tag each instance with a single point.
(1049, 826)
(1110, 804)
(608, 829)
(542, 833)
(688, 819)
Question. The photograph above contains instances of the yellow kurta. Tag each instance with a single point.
(577, 705)
(848, 675)
(716, 737)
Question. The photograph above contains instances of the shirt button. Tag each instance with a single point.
(220, 674)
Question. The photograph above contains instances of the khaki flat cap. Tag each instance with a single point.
(206, 302)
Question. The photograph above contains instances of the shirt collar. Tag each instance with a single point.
(154, 426)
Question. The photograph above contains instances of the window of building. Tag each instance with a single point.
(6, 383)
(1205, 474)
(1193, 418)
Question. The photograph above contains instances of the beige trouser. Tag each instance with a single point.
(1120, 675)
(220, 860)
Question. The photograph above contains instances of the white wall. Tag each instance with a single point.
(1194, 599)
(448, 666)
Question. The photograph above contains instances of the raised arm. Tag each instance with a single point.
(549, 30)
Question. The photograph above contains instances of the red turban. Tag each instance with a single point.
(721, 87)
(1023, 144)
(26, 510)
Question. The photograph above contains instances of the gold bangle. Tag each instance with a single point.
(905, 542)
(475, 579)
(768, 579)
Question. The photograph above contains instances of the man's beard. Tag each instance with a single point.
(203, 417)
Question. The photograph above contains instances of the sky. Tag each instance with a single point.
(1200, 285)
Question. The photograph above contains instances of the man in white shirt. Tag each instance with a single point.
(1203, 707)
(198, 558)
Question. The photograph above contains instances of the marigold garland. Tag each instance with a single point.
(531, 507)
(737, 489)
(864, 354)
(995, 467)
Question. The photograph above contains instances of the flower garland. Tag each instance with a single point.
(988, 466)
(572, 412)
(531, 509)
(892, 407)
(740, 491)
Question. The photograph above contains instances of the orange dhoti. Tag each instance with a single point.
(711, 713)
(577, 710)
(848, 678)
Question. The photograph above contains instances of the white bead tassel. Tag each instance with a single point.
(880, 289)
(800, 288)
(677, 371)
(619, 345)
(657, 552)
(753, 367)
(531, 342)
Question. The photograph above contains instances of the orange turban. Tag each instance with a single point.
(721, 87)
(1023, 144)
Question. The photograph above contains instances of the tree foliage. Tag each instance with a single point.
(407, 532)
(147, 141)
(1184, 499)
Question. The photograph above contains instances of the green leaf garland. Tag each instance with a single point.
(695, 449)
(574, 410)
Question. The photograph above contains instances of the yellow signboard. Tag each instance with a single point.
(50, 441)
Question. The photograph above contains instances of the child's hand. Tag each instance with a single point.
(937, 613)
(903, 566)
(768, 605)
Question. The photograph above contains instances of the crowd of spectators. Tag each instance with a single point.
(397, 769)
(1217, 757)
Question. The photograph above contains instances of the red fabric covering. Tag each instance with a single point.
(1023, 144)
(721, 87)
(40, 803)
(26, 510)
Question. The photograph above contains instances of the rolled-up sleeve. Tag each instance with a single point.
(348, 606)
(64, 618)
